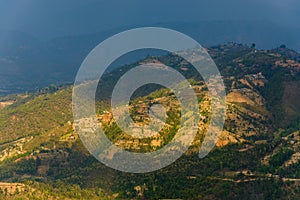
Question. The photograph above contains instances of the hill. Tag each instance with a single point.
(256, 157)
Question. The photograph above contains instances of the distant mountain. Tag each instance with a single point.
(27, 63)
(264, 34)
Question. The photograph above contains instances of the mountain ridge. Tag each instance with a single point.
(21, 62)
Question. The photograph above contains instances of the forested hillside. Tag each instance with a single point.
(257, 155)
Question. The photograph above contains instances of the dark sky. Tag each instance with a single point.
(50, 18)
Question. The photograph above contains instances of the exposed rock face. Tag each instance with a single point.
(227, 138)
(6, 103)
(239, 98)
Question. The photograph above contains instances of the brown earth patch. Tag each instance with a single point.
(290, 100)
(239, 98)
